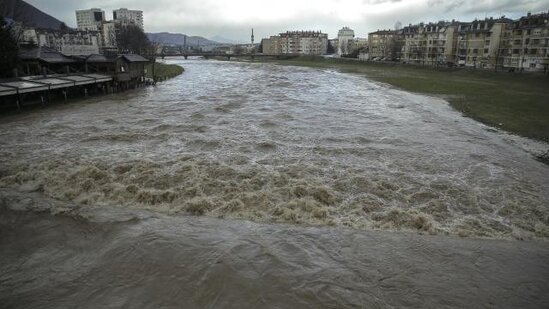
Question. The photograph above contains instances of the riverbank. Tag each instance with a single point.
(517, 103)
(163, 71)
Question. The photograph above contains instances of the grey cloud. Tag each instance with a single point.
(448, 5)
(489, 6)
(202, 17)
(379, 1)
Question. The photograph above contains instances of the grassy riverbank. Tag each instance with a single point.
(518, 103)
(163, 71)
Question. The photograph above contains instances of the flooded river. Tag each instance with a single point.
(255, 185)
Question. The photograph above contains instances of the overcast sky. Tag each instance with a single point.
(233, 19)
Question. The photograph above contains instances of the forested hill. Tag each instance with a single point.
(21, 11)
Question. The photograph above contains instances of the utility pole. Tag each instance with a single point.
(252, 36)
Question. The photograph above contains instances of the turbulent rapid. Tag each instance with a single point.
(270, 144)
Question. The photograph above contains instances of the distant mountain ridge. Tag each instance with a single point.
(224, 40)
(27, 14)
(168, 38)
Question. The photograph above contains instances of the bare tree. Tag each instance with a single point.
(131, 39)
(151, 51)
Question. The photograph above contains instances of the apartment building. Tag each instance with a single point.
(70, 42)
(478, 42)
(128, 17)
(383, 44)
(345, 37)
(89, 19)
(428, 44)
(107, 31)
(297, 42)
(525, 44)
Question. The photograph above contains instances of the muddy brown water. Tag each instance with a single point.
(118, 258)
(252, 185)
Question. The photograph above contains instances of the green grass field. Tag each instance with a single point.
(515, 102)
(163, 71)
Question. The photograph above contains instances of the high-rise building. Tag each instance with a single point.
(128, 17)
(89, 19)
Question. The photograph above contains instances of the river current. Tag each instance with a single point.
(258, 184)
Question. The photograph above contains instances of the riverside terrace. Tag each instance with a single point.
(38, 88)
(52, 74)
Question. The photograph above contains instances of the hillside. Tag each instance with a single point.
(167, 38)
(21, 11)
(224, 40)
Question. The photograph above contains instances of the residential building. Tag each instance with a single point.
(428, 44)
(382, 44)
(268, 46)
(69, 42)
(525, 44)
(478, 42)
(89, 19)
(128, 17)
(345, 37)
(108, 31)
(297, 42)
(360, 43)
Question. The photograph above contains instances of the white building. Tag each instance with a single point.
(345, 37)
(89, 19)
(128, 17)
(297, 42)
(70, 43)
